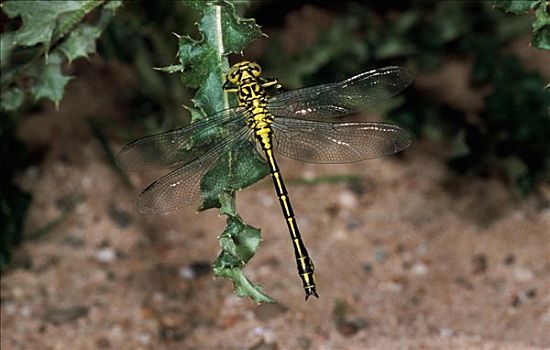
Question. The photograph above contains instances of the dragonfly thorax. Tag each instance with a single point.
(252, 95)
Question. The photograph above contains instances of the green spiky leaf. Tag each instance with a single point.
(49, 81)
(516, 6)
(7, 43)
(55, 30)
(11, 99)
(81, 42)
(202, 64)
(39, 18)
(239, 243)
(541, 27)
(236, 33)
(235, 170)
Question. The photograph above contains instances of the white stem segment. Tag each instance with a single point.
(221, 50)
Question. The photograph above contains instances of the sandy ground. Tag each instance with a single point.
(410, 257)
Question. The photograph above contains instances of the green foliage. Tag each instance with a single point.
(50, 32)
(235, 170)
(515, 125)
(137, 39)
(541, 27)
(421, 33)
(510, 134)
(202, 65)
(516, 6)
(35, 42)
(425, 34)
(222, 32)
(239, 242)
(541, 24)
(13, 201)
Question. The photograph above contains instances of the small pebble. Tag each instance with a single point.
(144, 338)
(74, 242)
(121, 218)
(367, 267)
(195, 269)
(347, 200)
(266, 312)
(58, 315)
(380, 254)
(87, 182)
(415, 300)
(516, 300)
(419, 269)
(446, 332)
(66, 202)
(25, 311)
(479, 263)
(510, 259)
(531, 293)
(353, 224)
(22, 261)
(351, 327)
(462, 281)
(257, 331)
(391, 287)
(105, 255)
(187, 273)
(422, 249)
(9, 308)
(400, 249)
(103, 343)
(172, 334)
(263, 345)
(304, 343)
(357, 187)
(522, 274)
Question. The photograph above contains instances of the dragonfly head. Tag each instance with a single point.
(243, 70)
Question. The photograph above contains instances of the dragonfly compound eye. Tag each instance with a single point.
(255, 69)
(233, 76)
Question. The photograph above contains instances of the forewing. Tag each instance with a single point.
(182, 186)
(181, 146)
(339, 99)
(325, 142)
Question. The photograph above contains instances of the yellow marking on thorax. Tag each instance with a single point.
(253, 98)
(253, 101)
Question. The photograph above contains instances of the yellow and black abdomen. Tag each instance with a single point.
(253, 97)
(303, 261)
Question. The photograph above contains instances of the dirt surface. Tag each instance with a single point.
(409, 257)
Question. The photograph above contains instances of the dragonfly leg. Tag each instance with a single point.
(271, 83)
(228, 88)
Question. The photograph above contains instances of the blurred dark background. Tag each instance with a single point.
(479, 91)
(479, 95)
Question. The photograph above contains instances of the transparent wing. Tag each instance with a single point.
(181, 146)
(326, 142)
(339, 99)
(182, 186)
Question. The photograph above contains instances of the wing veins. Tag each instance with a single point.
(325, 142)
(181, 186)
(177, 147)
(342, 98)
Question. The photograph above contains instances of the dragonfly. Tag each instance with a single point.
(302, 124)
